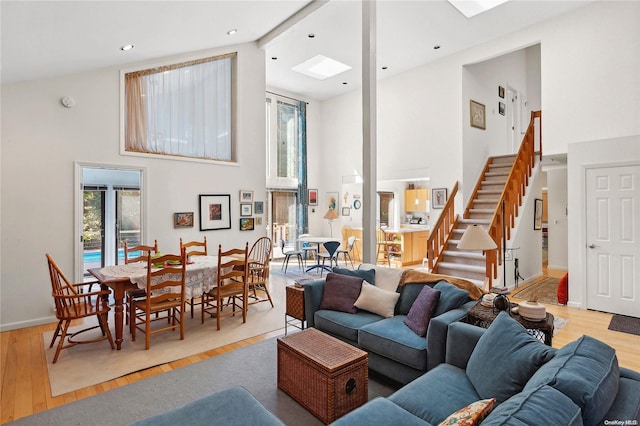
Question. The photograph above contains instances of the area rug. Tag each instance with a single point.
(87, 365)
(254, 367)
(544, 290)
(625, 324)
(559, 324)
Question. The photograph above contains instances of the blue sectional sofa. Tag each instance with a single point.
(394, 349)
(523, 380)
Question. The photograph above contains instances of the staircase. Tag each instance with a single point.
(494, 205)
(469, 264)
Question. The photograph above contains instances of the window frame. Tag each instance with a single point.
(169, 63)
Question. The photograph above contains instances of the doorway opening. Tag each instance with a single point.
(282, 220)
(110, 212)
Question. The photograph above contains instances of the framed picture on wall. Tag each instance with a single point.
(477, 115)
(537, 215)
(313, 197)
(258, 207)
(245, 209)
(215, 212)
(246, 196)
(247, 224)
(438, 197)
(332, 201)
(183, 220)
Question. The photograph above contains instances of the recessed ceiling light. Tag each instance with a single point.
(126, 47)
(321, 67)
(471, 8)
(344, 82)
(384, 68)
(274, 58)
(311, 35)
(232, 32)
(436, 47)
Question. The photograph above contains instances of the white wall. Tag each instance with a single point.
(557, 221)
(41, 140)
(583, 155)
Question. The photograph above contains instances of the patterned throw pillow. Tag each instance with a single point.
(422, 310)
(340, 293)
(472, 414)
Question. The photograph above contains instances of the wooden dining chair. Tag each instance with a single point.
(259, 258)
(139, 253)
(194, 248)
(72, 304)
(164, 294)
(384, 246)
(351, 241)
(232, 286)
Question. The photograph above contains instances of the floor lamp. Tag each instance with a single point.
(331, 215)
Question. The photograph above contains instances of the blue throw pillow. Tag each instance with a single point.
(587, 372)
(451, 297)
(505, 358)
(367, 275)
(422, 310)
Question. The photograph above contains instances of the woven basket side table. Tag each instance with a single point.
(294, 313)
(326, 376)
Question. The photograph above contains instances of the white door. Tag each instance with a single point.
(613, 239)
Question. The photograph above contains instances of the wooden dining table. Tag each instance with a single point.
(202, 276)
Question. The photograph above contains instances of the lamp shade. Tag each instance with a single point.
(331, 214)
(476, 238)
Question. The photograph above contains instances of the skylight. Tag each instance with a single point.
(321, 67)
(471, 8)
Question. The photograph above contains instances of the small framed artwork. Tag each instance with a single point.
(501, 91)
(501, 107)
(215, 212)
(438, 197)
(537, 215)
(258, 207)
(246, 196)
(183, 220)
(477, 115)
(346, 211)
(332, 201)
(259, 221)
(313, 197)
(245, 209)
(247, 224)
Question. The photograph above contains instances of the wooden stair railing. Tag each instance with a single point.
(511, 196)
(441, 230)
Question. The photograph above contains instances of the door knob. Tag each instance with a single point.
(592, 246)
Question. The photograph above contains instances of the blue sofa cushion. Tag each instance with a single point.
(367, 275)
(380, 412)
(340, 293)
(408, 294)
(437, 394)
(451, 297)
(627, 402)
(343, 325)
(585, 370)
(391, 338)
(505, 358)
(422, 310)
(536, 406)
(234, 407)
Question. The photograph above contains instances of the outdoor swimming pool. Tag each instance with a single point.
(95, 256)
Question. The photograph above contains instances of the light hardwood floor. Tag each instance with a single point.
(25, 383)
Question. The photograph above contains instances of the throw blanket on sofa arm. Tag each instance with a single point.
(411, 276)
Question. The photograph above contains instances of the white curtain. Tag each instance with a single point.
(183, 110)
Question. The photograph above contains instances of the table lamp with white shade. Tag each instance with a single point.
(331, 215)
(475, 237)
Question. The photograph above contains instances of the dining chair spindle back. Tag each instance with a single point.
(259, 258)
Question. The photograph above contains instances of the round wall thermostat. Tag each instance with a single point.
(68, 101)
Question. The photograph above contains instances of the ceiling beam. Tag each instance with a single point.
(290, 22)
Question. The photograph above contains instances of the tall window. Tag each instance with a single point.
(183, 109)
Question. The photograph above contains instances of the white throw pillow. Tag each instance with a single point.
(388, 278)
(376, 300)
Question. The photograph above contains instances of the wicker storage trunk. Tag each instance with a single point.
(325, 375)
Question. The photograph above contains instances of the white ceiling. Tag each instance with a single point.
(50, 38)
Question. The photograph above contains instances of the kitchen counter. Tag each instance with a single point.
(410, 241)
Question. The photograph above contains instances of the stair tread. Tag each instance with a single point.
(505, 173)
(489, 191)
(462, 267)
(469, 254)
(481, 210)
(472, 221)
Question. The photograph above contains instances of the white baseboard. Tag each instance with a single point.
(25, 324)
